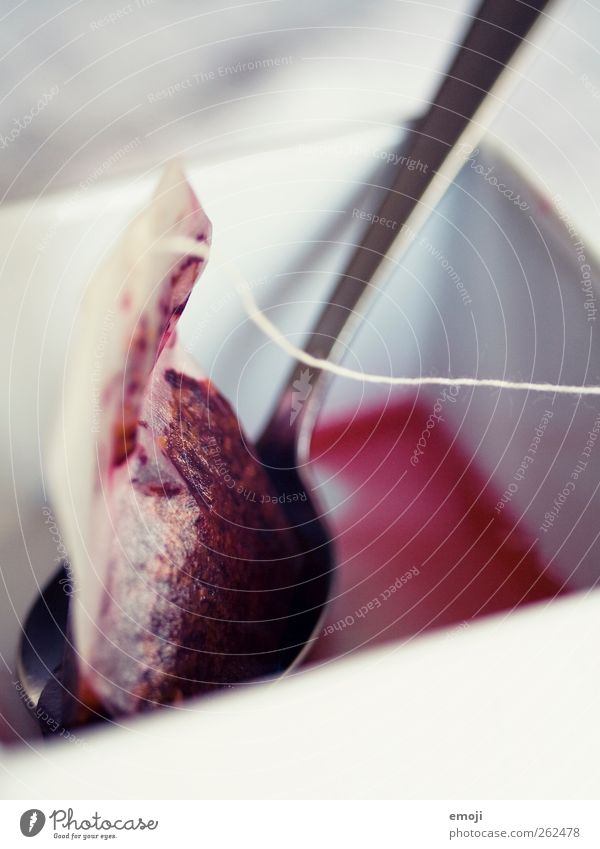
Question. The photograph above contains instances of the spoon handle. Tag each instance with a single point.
(455, 120)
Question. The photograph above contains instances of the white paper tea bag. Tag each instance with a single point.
(184, 567)
(127, 316)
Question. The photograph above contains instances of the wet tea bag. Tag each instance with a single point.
(177, 584)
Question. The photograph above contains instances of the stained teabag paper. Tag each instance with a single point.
(183, 565)
(127, 316)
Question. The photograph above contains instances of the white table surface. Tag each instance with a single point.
(505, 709)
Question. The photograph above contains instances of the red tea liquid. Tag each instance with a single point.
(418, 546)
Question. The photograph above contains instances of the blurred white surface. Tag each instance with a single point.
(204, 78)
(507, 709)
(138, 82)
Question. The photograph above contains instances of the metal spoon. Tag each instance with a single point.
(497, 30)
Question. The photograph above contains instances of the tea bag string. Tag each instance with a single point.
(181, 244)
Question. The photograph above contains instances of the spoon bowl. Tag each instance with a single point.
(46, 643)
